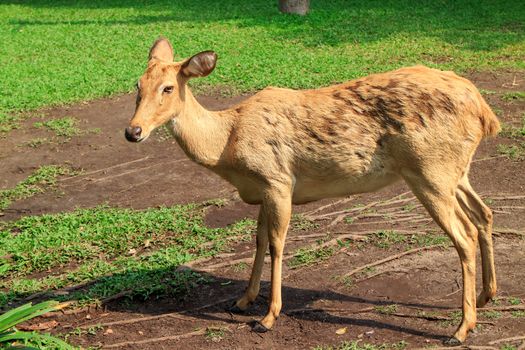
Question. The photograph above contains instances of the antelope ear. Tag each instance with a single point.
(161, 50)
(199, 65)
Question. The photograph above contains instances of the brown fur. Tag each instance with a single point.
(284, 146)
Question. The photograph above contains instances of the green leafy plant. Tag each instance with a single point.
(12, 338)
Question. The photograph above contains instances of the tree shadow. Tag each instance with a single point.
(477, 26)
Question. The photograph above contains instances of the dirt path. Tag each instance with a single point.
(317, 301)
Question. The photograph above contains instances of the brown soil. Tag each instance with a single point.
(158, 173)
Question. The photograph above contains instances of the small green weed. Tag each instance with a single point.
(514, 301)
(309, 256)
(387, 238)
(514, 132)
(41, 179)
(8, 122)
(242, 266)
(214, 334)
(300, 223)
(508, 347)
(425, 240)
(518, 313)
(36, 142)
(514, 96)
(66, 127)
(514, 152)
(491, 315)
(408, 207)
(386, 309)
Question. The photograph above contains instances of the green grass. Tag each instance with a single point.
(8, 122)
(514, 96)
(61, 51)
(514, 152)
(40, 180)
(300, 223)
(118, 250)
(491, 315)
(386, 309)
(387, 238)
(514, 132)
(66, 127)
(309, 256)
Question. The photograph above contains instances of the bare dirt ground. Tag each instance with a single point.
(317, 301)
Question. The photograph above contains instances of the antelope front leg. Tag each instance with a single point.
(255, 279)
(278, 206)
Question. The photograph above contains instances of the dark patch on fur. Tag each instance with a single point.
(276, 149)
(316, 136)
(385, 114)
(445, 101)
(239, 109)
(266, 110)
(421, 120)
(360, 154)
(270, 121)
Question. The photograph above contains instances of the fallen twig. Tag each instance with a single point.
(503, 230)
(154, 340)
(103, 169)
(506, 340)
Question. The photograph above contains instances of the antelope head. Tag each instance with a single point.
(161, 91)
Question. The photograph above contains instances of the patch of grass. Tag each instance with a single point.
(518, 313)
(242, 266)
(386, 238)
(99, 49)
(508, 347)
(386, 309)
(215, 334)
(514, 96)
(514, 132)
(309, 256)
(349, 220)
(487, 92)
(408, 207)
(300, 223)
(514, 301)
(488, 201)
(36, 142)
(514, 152)
(41, 179)
(66, 127)
(96, 244)
(491, 315)
(8, 122)
(424, 240)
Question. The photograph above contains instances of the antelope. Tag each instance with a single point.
(282, 147)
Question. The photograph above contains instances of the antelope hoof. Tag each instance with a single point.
(452, 341)
(259, 327)
(234, 309)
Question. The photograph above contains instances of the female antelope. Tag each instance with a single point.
(284, 146)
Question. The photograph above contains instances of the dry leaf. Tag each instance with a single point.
(108, 331)
(40, 326)
(341, 331)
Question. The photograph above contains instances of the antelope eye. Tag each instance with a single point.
(168, 90)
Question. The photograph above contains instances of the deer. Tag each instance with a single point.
(282, 146)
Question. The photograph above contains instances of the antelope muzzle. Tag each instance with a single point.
(133, 133)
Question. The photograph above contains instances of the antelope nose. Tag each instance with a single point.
(133, 133)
